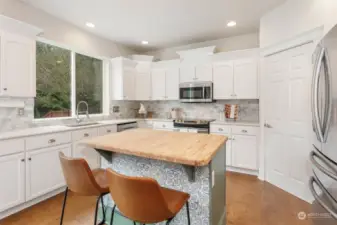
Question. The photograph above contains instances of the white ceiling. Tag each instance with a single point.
(164, 23)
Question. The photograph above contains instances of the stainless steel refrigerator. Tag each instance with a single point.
(323, 183)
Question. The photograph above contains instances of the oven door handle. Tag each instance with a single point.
(317, 197)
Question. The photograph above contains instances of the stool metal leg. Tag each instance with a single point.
(64, 205)
(103, 210)
(112, 215)
(169, 221)
(188, 214)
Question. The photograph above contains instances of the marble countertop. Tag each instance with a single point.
(237, 123)
(58, 128)
(184, 148)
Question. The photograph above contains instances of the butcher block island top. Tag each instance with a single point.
(184, 148)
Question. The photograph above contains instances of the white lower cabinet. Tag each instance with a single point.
(90, 155)
(244, 152)
(241, 146)
(12, 187)
(43, 170)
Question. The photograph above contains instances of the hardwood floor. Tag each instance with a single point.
(249, 202)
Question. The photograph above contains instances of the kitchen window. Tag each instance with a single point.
(64, 78)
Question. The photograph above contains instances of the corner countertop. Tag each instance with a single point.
(237, 123)
(184, 148)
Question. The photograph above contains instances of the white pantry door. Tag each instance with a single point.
(287, 83)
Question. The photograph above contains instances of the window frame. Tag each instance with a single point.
(105, 81)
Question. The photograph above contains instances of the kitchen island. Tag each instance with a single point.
(189, 162)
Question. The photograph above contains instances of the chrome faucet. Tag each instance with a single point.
(78, 120)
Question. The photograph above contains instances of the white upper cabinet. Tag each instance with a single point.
(204, 72)
(187, 73)
(17, 65)
(193, 73)
(246, 79)
(223, 80)
(165, 80)
(172, 83)
(236, 79)
(143, 86)
(158, 84)
(123, 79)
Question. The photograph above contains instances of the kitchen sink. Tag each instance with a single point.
(82, 124)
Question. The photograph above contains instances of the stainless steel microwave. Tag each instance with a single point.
(196, 92)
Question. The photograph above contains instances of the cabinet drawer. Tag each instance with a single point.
(85, 133)
(48, 140)
(107, 130)
(162, 125)
(218, 128)
(11, 146)
(244, 130)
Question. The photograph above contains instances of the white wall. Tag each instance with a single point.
(222, 45)
(295, 17)
(62, 32)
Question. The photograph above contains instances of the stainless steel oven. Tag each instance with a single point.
(196, 92)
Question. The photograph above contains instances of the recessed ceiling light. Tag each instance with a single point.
(91, 25)
(231, 24)
(145, 42)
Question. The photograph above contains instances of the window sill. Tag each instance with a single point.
(43, 120)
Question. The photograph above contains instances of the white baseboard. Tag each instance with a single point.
(28, 204)
(244, 171)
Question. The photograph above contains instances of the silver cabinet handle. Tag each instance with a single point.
(244, 131)
(30, 159)
(317, 197)
(22, 160)
(86, 135)
(5, 89)
(315, 92)
(163, 125)
(51, 141)
(108, 131)
(220, 129)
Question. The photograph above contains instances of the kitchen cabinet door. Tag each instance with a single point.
(129, 84)
(43, 170)
(158, 85)
(12, 188)
(143, 86)
(172, 84)
(204, 72)
(244, 151)
(18, 76)
(223, 80)
(187, 73)
(246, 79)
(89, 154)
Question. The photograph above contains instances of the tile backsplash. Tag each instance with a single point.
(248, 111)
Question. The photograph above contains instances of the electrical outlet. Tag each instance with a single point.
(21, 112)
(115, 109)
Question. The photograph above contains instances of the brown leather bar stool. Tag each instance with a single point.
(143, 200)
(81, 180)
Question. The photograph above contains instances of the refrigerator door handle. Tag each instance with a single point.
(314, 97)
(328, 99)
(317, 197)
(327, 162)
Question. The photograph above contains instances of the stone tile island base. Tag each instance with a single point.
(207, 202)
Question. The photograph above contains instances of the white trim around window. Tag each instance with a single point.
(106, 63)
